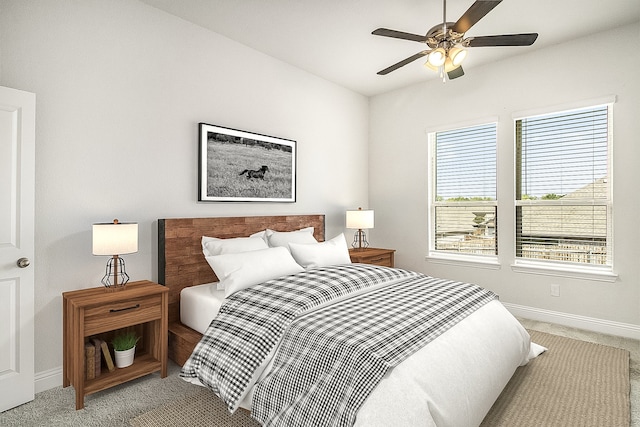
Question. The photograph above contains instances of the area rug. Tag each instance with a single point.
(202, 408)
(574, 383)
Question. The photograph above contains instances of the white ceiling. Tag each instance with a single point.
(332, 38)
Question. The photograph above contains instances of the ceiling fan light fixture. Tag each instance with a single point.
(449, 65)
(457, 55)
(431, 67)
(437, 57)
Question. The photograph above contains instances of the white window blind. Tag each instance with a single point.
(463, 211)
(563, 209)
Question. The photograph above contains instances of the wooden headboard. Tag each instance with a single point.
(180, 259)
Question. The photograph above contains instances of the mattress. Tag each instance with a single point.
(199, 305)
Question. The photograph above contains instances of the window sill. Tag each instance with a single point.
(603, 274)
(464, 260)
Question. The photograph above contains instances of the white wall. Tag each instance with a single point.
(120, 89)
(557, 76)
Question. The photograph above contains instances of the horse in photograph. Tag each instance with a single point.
(255, 173)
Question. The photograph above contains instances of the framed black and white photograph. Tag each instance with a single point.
(239, 166)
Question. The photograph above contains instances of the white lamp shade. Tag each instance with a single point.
(360, 219)
(457, 55)
(448, 66)
(115, 239)
(437, 57)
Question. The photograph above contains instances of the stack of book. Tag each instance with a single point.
(95, 351)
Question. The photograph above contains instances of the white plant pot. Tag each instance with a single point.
(125, 358)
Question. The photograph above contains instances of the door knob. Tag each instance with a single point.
(23, 262)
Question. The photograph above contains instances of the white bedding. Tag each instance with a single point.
(453, 381)
(461, 374)
(199, 305)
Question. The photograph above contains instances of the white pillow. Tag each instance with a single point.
(331, 252)
(242, 270)
(283, 238)
(214, 246)
(261, 234)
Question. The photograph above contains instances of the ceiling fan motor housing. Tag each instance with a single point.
(438, 36)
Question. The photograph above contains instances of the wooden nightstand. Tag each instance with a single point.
(377, 256)
(99, 313)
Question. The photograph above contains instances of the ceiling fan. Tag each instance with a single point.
(447, 42)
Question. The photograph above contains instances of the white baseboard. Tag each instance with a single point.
(609, 327)
(47, 380)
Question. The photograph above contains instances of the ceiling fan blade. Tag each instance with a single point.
(475, 13)
(403, 63)
(504, 40)
(454, 74)
(399, 35)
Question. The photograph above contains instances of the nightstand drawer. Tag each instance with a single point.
(122, 314)
(376, 256)
(383, 260)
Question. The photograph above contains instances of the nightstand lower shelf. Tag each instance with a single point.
(142, 365)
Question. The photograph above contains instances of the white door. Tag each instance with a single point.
(17, 188)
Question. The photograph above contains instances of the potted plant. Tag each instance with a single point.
(124, 346)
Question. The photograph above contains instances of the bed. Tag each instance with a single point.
(451, 381)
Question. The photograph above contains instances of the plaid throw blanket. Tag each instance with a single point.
(330, 360)
(252, 321)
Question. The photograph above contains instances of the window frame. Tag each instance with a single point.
(561, 268)
(448, 257)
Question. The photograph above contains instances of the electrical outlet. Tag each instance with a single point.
(555, 290)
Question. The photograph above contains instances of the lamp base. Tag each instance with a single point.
(360, 240)
(115, 276)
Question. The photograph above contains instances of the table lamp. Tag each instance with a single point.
(360, 219)
(115, 239)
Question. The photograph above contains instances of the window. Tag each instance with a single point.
(563, 188)
(463, 205)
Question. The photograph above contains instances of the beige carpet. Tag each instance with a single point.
(575, 383)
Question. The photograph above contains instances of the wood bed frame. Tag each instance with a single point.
(181, 262)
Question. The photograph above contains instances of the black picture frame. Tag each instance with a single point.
(241, 166)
